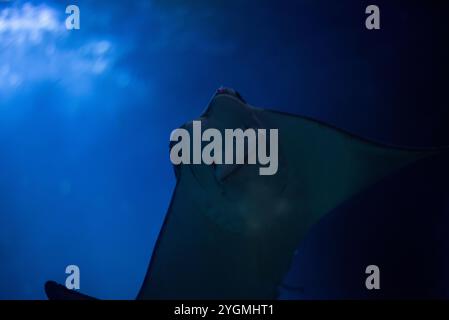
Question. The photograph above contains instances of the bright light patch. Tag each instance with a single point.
(28, 20)
(35, 47)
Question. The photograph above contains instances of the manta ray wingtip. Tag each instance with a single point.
(56, 291)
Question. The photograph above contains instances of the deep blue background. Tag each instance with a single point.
(85, 115)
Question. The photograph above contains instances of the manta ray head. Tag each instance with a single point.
(243, 194)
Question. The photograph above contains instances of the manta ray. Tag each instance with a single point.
(231, 233)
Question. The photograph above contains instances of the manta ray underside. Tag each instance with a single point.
(231, 233)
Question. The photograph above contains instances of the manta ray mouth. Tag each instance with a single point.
(231, 92)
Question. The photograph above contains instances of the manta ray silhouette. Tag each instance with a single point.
(231, 233)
